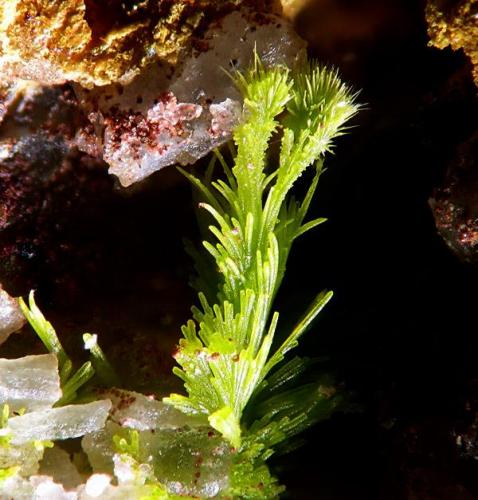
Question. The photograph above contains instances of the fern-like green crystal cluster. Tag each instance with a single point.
(226, 356)
(234, 373)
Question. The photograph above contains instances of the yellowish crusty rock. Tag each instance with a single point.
(455, 24)
(99, 42)
(52, 41)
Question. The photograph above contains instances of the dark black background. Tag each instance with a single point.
(401, 328)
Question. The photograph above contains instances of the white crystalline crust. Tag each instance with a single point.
(59, 423)
(99, 448)
(181, 453)
(37, 487)
(42, 487)
(157, 121)
(29, 383)
(173, 446)
(99, 486)
(137, 411)
(188, 461)
(11, 317)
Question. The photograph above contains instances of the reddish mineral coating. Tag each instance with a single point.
(43, 181)
(455, 206)
(138, 130)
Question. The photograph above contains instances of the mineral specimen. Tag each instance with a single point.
(29, 387)
(59, 423)
(29, 383)
(37, 487)
(189, 461)
(167, 116)
(149, 75)
(137, 411)
(11, 318)
(183, 452)
(140, 85)
(455, 24)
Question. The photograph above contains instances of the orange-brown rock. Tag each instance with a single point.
(98, 42)
(455, 24)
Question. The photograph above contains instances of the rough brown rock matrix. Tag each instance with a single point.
(148, 74)
(98, 42)
(455, 23)
(455, 206)
(44, 181)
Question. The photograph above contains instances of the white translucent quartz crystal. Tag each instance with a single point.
(194, 462)
(99, 486)
(120, 492)
(99, 447)
(29, 383)
(134, 411)
(32, 384)
(11, 317)
(49, 487)
(161, 119)
(137, 411)
(46, 488)
(185, 456)
(188, 461)
(34, 488)
(59, 423)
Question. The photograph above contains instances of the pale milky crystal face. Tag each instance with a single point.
(59, 423)
(97, 484)
(36, 487)
(29, 383)
(137, 411)
(188, 461)
(194, 462)
(45, 489)
(11, 317)
(100, 449)
(164, 115)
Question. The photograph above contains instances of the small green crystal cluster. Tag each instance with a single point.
(243, 398)
(250, 222)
